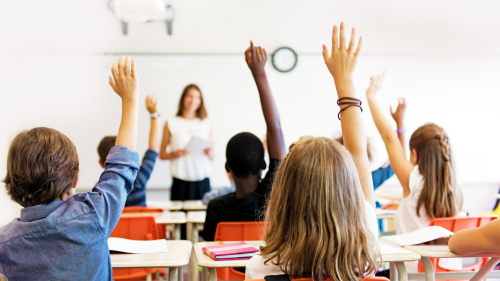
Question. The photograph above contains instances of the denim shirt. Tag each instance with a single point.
(67, 240)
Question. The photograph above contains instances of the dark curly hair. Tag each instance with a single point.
(104, 147)
(245, 154)
(42, 164)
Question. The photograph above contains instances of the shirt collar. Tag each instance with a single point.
(39, 211)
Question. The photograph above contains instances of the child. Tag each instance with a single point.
(476, 240)
(245, 158)
(430, 188)
(321, 211)
(62, 235)
(137, 197)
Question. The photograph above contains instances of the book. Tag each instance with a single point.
(230, 251)
(197, 146)
(123, 245)
(418, 236)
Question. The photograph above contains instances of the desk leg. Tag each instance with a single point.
(429, 269)
(212, 274)
(176, 233)
(193, 274)
(393, 272)
(403, 275)
(204, 274)
(172, 273)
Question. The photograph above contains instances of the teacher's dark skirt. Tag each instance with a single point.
(189, 190)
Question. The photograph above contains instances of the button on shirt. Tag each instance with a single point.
(67, 240)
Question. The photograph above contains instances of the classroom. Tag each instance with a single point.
(249, 140)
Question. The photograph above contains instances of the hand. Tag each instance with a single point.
(256, 58)
(180, 153)
(209, 152)
(125, 81)
(342, 61)
(151, 103)
(393, 205)
(375, 84)
(399, 114)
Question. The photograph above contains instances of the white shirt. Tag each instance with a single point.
(256, 269)
(189, 167)
(406, 217)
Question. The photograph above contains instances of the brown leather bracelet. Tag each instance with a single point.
(350, 103)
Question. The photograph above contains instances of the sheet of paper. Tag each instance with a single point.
(379, 211)
(137, 247)
(392, 250)
(197, 145)
(419, 236)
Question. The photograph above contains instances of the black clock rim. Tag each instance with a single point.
(294, 65)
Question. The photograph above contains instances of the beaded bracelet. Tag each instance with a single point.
(400, 131)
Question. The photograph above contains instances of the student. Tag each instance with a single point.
(476, 240)
(190, 173)
(430, 188)
(321, 211)
(137, 197)
(62, 235)
(245, 158)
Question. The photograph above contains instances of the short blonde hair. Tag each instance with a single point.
(316, 212)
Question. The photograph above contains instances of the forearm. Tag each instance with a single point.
(127, 134)
(154, 136)
(401, 134)
(164, 155)
(383, 125)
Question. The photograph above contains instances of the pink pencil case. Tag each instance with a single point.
(230, 251)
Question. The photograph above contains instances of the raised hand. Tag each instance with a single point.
(341, 62)
(375, 84)
(256, 58)
(151, 103)
(399, 114)
(124, 80)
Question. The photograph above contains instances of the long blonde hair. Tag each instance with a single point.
(441, 195)
(316, 213)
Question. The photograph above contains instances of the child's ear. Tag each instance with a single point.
(76, 180)
(101, 164)
(264, 165)
(227, 168)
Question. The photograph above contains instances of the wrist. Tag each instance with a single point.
(400, 125)
(259, 73)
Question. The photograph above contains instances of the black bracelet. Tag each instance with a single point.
(352, 102)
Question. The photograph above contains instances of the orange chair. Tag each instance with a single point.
(330, 279)
(139, 228)
(454, 225)
(237, 231)
(162, 229)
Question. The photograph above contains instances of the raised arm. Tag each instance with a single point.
(154, 136)
(341, 63)
(399, 116)
(125, 83)
(256, 58)
(476, 240)
(401, 167)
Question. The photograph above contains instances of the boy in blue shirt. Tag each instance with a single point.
(137, 197)
(62, 235)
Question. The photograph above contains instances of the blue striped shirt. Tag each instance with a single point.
(138, 195)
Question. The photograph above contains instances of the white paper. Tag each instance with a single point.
(392, 250)
(419, 236)
(379, 211)
(136, 246)
(197, 145)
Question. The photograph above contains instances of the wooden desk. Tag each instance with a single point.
(193, 205)
(165, 205)
(195, 219)
(385, 214)
(397, 256)
(428, 252)
(170, 218)
(389, 195)
(178, 255)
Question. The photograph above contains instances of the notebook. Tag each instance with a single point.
(230, 251)
(419, 236)
(123, 245)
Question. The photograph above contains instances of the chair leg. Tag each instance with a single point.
(149, 277)
(172, 274)
(429, 269)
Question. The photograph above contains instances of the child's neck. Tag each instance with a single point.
(245, 186)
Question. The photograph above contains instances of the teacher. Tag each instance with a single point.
(190, 173)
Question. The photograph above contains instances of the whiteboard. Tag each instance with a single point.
(71, 94)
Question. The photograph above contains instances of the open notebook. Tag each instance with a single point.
(419, 236)
(137, 247)
(230, 251)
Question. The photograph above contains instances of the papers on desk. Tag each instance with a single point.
(197, 146)
(230, 251)
(137, 247)
(393, 250)
(379, 211)
(418, 236)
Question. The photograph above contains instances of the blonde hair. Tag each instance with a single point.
(441, 195)
(316, 213)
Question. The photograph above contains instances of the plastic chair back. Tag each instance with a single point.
(457, 224)
(138, 228)
(237, 231)
(140, 209)
(330, 279)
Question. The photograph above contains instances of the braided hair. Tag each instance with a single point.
(441, 195)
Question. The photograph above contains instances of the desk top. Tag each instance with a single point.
(160, 218)
(443, 252)
(165, 205)
(196, 216)
(389, 195)
(193, 205)
(178, 255)
(390, 253)
(385, 214)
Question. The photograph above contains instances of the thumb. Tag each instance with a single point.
(112, 83)
(392, 111)
(326, 56)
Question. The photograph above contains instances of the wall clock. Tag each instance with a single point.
(284, 59)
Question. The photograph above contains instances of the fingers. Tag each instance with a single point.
(335, 39)
(112, 82)
(120, 65)
(259, 53)
(133, 71)
(114, 71)
(383, 75)
(351, 42)
(342, 36)
(265, 54)
(247, 55)
(326, 56)
(126, 67)
(404, 103)
(252, 49)
(358, 49)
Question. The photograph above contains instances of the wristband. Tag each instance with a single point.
(400, 131)
(154, 115)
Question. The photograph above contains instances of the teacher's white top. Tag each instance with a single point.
(189, 167)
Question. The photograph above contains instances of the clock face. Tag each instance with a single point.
(284, 59)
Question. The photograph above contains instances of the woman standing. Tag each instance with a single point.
(190, 173)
